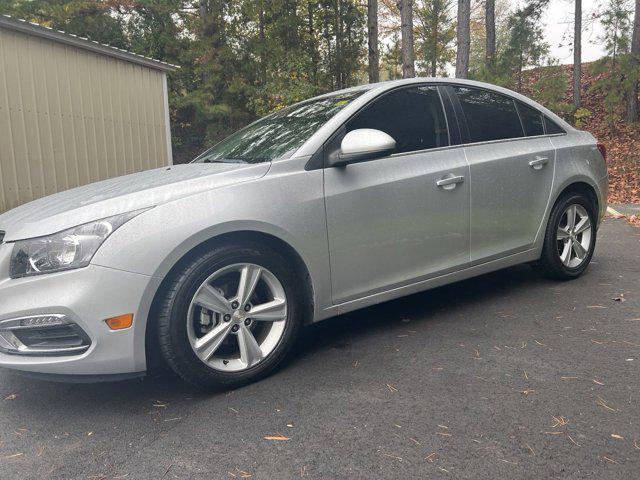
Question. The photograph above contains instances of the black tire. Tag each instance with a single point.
(550, 264)
(174, 304)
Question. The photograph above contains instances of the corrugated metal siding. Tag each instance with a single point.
(69, 117)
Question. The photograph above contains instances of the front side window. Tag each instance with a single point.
(489, 115)
(531, 120)
(278, 135)
(413, 116)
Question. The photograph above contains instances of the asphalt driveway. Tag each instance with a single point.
(503, 376)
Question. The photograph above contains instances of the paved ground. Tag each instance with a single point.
(503, 376)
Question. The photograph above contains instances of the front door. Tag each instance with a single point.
(403, 218)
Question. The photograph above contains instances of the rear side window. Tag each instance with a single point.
(412, 116)
(490, 116)
(552, 127)
(531, 120)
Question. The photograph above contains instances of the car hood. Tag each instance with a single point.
(120, 195)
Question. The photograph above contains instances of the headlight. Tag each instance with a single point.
(66, 250)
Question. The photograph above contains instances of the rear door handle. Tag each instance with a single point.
(538, 162)
(449, 181)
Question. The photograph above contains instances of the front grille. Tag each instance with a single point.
(42, 335)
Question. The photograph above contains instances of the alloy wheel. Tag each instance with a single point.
(574, 236)
(237, 317)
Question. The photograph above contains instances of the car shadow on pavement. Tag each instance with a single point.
(419, 308)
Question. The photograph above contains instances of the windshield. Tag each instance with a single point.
(277, 135)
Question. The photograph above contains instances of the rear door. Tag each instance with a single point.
(511, 165)
(393, 221)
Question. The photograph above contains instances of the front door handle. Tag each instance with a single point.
(538, 162)
(449, 181)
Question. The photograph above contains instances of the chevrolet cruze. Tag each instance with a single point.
(339, 202)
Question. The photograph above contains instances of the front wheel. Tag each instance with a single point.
(230, 316)
(570, 238)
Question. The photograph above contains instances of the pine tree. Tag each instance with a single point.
(435, 32)
(525, 44)
(615, 79)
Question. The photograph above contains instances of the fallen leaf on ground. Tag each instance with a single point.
(15, 455)
(279, 437)
(603, 404)
(560, 421)
(573, 441)
(617, 437)
(392, 456)
(431, 457)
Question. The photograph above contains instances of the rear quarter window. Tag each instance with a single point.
(552, 127)
(531, 120)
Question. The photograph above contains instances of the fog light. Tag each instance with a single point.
(121, 322)
(42, 335)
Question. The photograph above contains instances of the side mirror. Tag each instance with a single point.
(363, 144)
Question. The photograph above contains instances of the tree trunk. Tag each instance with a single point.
(632, 105)
(577, 53)
(313, 47)
(406, 28)
(490, 26)
(374, 53)
(464, 39)
(340, 44)
(263, 60)
(434, 37)
(203, 12)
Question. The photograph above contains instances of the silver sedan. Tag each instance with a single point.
(330, 205)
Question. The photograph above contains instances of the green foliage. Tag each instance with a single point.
(615, 73)
(581, 116)
(85, 18)
(477, 64)
(549, 90)
(525, 41)
(391, 59)
(435, 35)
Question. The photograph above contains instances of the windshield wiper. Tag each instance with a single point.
(225, 160)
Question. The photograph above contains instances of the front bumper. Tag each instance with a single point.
(86, 296)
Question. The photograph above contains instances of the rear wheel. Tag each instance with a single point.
(570, 237)
(230, 316)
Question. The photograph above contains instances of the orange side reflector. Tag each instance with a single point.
(121, 322)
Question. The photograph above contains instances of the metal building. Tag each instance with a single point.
(73, 111)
